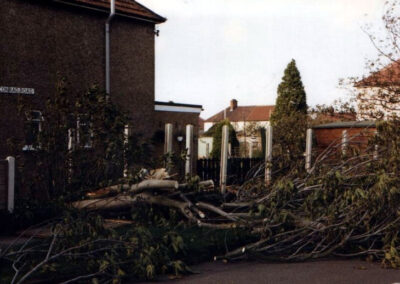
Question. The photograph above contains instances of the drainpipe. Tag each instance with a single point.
(109, 19)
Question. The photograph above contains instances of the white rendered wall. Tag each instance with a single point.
(368, 94)
(202, 146)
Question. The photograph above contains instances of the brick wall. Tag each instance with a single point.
(179, 121)
(358, 137)
(40, 39)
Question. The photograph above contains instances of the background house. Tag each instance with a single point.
(246, 120)
(41, 40)
(377, 94)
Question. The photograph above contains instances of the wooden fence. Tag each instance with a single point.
(3, 184)
(239, 169)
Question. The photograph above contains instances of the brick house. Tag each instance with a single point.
(246, 120)
(40, 39)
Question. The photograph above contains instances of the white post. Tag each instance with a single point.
(189, 147)
(308, 149)
(168, 138)
(207, 150)
(268, 155)
(224, 158)
(345, 142)
(376, 149)
(251, 149)
(71, 140)
(11, 184)
(126, 141)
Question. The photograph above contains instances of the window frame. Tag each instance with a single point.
(32, 119)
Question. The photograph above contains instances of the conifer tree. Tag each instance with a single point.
(291, 98)
(289, 119)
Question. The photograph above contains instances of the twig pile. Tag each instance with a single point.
(346, 209)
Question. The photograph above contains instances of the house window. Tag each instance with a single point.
(82, 135)
(33, 127)
(84, 132)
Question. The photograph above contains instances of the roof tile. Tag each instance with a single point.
(244, 113)
(387, 76)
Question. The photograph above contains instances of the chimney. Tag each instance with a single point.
(233, 104)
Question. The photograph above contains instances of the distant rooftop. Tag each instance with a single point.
(235, 113)
(388, 76)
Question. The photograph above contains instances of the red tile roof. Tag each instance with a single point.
(388, 76)
(244, 113)
(127, 7)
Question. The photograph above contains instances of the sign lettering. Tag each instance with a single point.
(16, 90)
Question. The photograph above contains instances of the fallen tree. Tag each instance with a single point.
(346, 206)
(345, 209)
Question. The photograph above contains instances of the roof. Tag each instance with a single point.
(170, 103)
(347, 124)
(177, 107)
(387, 76)
(124, 7)
(244, 113)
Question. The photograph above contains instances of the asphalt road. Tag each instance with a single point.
(318, 272)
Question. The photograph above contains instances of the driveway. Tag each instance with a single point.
(318, 272)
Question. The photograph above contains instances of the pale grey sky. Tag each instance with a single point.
(210, 51)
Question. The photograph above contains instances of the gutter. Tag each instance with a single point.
(143, 19)
(108, 22)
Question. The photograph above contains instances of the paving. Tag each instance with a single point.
(6, 241)
(318, 272)
(331, 271)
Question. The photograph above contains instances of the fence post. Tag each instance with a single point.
(11, 184)
(189, 147)
(168, 138)
(309, 149)
(345, 142)
(268, 154)
(207, 150)
(224, 158)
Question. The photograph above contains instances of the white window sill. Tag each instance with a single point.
(29, 148)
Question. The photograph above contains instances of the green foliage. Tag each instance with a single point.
(216, 132)
(388, 141)
(344, 207)
(81, 145)
(289, 119)
(81, 245)
(174, 163)
(291, 95)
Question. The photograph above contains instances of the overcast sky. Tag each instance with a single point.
(210, 51)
